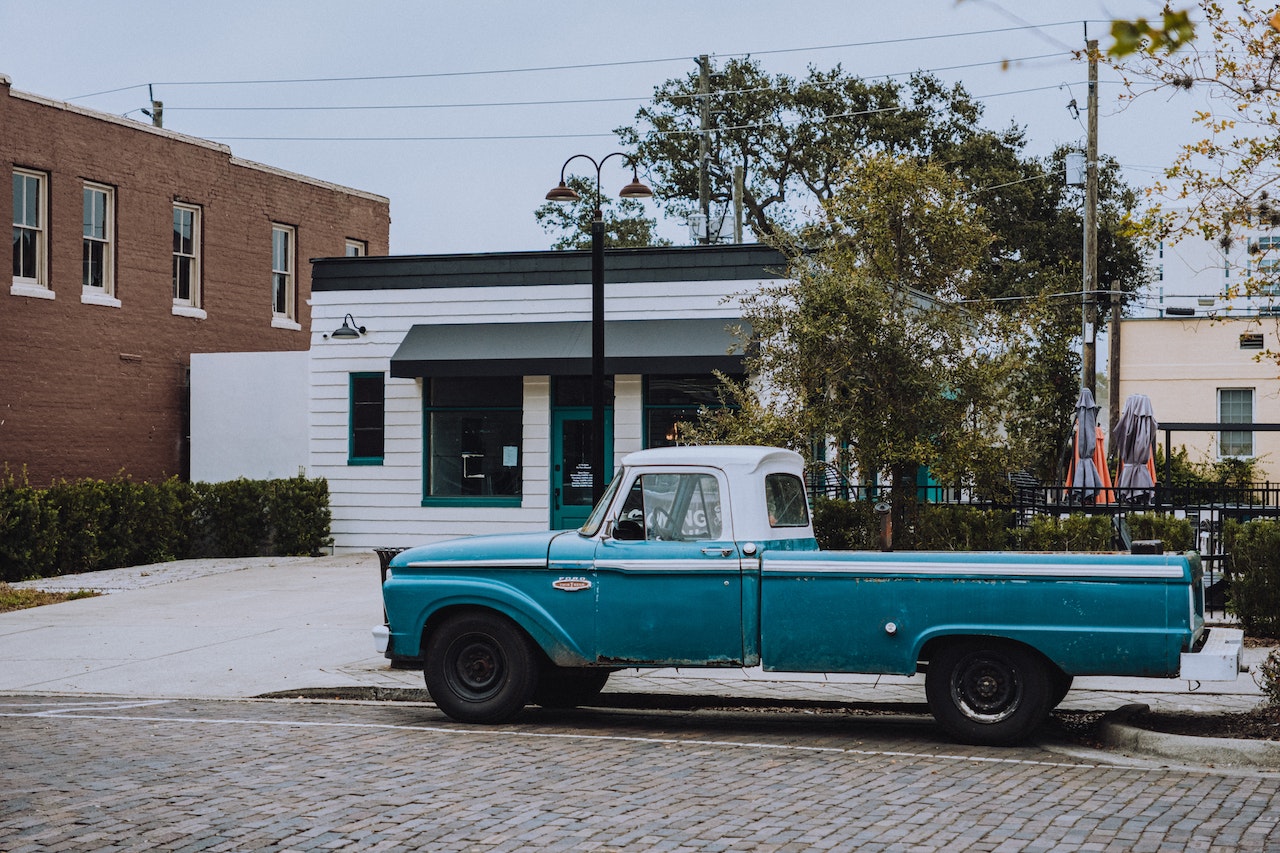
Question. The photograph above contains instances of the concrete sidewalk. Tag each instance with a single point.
(247, 627)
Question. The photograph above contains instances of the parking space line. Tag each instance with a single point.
(49, 709)
(70, 714)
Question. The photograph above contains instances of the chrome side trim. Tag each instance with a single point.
(817, 567)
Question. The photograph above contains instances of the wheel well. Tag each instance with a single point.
(935, 644)
(446, 613)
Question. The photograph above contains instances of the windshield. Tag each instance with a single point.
(597, 515)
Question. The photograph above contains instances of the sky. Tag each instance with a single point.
(463, 113)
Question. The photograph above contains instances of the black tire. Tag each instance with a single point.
(1060, 686)
(988, 692)
(480, 668)
(569, 687)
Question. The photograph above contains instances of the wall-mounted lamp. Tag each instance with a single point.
(349, 329)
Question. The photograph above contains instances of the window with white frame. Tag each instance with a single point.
(282, 272)
(186, 256)
(99, 239)
(1235, 406)
(30, 228)
(356, 248)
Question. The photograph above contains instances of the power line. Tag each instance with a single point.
(498, 137)
(574, 67)
(574, 101)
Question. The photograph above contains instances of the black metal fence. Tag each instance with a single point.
(1205, 508)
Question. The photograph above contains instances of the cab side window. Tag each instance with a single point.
(784, 497)
(674, 507)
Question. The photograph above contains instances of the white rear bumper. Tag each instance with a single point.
(1220, 659)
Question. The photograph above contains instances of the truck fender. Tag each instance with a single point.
(928, 641)
(482, 594)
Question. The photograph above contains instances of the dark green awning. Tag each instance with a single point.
(564, 348)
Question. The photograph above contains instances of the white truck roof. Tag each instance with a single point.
(721, 456)
(746, 468)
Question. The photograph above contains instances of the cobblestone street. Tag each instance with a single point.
(84, 774)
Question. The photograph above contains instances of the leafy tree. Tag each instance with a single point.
(1223, 184)
(625, 225)
(794, 138)
(870, 339)
(791, 137)
(1174, 31)
(1038, 266)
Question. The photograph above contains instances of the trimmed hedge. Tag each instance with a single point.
(1175, 533)
(1254, 549)
(854, 525)
(102, 524)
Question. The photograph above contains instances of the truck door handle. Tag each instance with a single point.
(720, 552)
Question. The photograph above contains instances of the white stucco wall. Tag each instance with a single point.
(376, 506)
(1182, 363)
(248, 415)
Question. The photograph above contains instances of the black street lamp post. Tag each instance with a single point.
(564, 193)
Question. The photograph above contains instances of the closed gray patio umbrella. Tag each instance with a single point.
(1133, 441)
(1085, 481)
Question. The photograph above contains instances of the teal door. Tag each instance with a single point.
(571, 465)
(669, 581)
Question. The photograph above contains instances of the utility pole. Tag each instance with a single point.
(157, 109)
(738, 179)
(704, 145)
(1089, 330)
(1113, 364)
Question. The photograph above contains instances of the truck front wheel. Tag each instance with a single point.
(569, 687)
(988, 692)
(480, 668)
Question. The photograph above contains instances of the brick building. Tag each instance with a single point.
(134, 247)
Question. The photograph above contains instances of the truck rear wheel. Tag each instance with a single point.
(988, 692)
(480, 668)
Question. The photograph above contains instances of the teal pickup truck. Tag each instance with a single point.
(705, 557)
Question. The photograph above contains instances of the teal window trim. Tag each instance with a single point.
(473, 500)
(352, 459)
(429, 500)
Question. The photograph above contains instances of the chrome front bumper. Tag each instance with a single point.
(381, 638)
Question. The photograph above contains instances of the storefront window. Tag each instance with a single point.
(672, 400)
(474, 427)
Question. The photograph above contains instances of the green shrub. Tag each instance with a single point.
(299, 512)
(841, 525)
(232, 518)
(1175, 533)
(82, 520)
(944, 527)
(1270, 672)
(1076, 532)
(28, 531)
(1254, 549)
(100, 524)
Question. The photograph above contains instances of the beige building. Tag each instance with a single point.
(1206, 370)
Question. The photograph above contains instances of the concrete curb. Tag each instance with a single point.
(1115, 731)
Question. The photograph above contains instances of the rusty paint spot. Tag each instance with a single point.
(608, 661)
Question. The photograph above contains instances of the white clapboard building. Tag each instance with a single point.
(457, 399)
